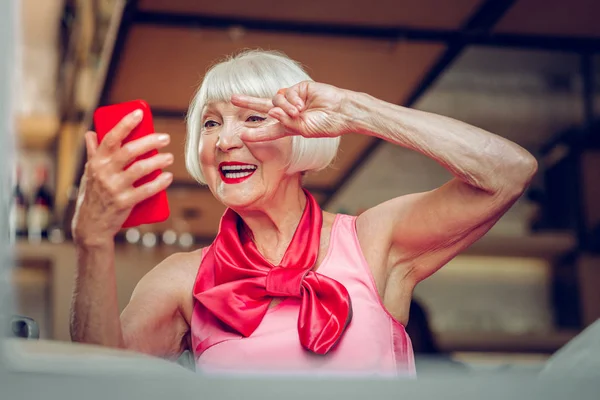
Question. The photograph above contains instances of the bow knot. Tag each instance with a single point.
(284, 282)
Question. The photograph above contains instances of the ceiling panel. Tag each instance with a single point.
(414, 13)
(164, 65)
(552, 17)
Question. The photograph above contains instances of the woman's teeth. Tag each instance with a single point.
(233, 175)
(237, 171)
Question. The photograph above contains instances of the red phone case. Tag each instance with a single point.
(153, 209)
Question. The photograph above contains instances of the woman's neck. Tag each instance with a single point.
(273, 224)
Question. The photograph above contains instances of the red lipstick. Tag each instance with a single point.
(235, 172)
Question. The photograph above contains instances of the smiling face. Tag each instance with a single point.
(241, 175)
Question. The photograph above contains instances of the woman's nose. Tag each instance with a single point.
(229, 139)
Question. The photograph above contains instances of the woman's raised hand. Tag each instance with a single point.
(309, 109)
(107, 194)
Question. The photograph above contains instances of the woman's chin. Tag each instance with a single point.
(236, 205)
(237, 201)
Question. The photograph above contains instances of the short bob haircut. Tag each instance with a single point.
(260, 74)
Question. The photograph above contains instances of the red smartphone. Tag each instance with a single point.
(153, 209)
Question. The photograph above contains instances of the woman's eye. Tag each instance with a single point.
(255, 118)
(210, 124)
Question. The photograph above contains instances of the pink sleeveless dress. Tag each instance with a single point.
(374, 343)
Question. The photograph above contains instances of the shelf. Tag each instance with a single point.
(504, 342)
(23, 250)
(546, 245)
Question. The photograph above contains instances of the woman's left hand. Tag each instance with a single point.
(309, 109)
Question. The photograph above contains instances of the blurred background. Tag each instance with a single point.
(528, 70)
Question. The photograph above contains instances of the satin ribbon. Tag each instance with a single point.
(244, 283)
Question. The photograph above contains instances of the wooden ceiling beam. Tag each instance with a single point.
(445, 15)
(199, 21)
(476, 33)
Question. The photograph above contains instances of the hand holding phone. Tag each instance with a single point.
(155, 208)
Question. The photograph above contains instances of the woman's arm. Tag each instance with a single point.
(94, 307)
(424, 231)
(106, 198)
(155, 321)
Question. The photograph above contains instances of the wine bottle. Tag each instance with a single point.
(40, 210)
(19, 208)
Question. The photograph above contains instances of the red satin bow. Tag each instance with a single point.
(245, 283)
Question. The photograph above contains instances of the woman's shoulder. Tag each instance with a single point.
(182, 261)
(175, 277)
(178, 268)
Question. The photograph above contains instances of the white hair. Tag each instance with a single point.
(260, 74)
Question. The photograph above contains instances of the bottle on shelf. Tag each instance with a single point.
(40, 209)
(19, 208)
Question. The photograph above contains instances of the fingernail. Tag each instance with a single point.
(136, 116)
(169, 157)
(168, 176)
(163, 138)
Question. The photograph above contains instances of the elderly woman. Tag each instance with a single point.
(285, 286)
